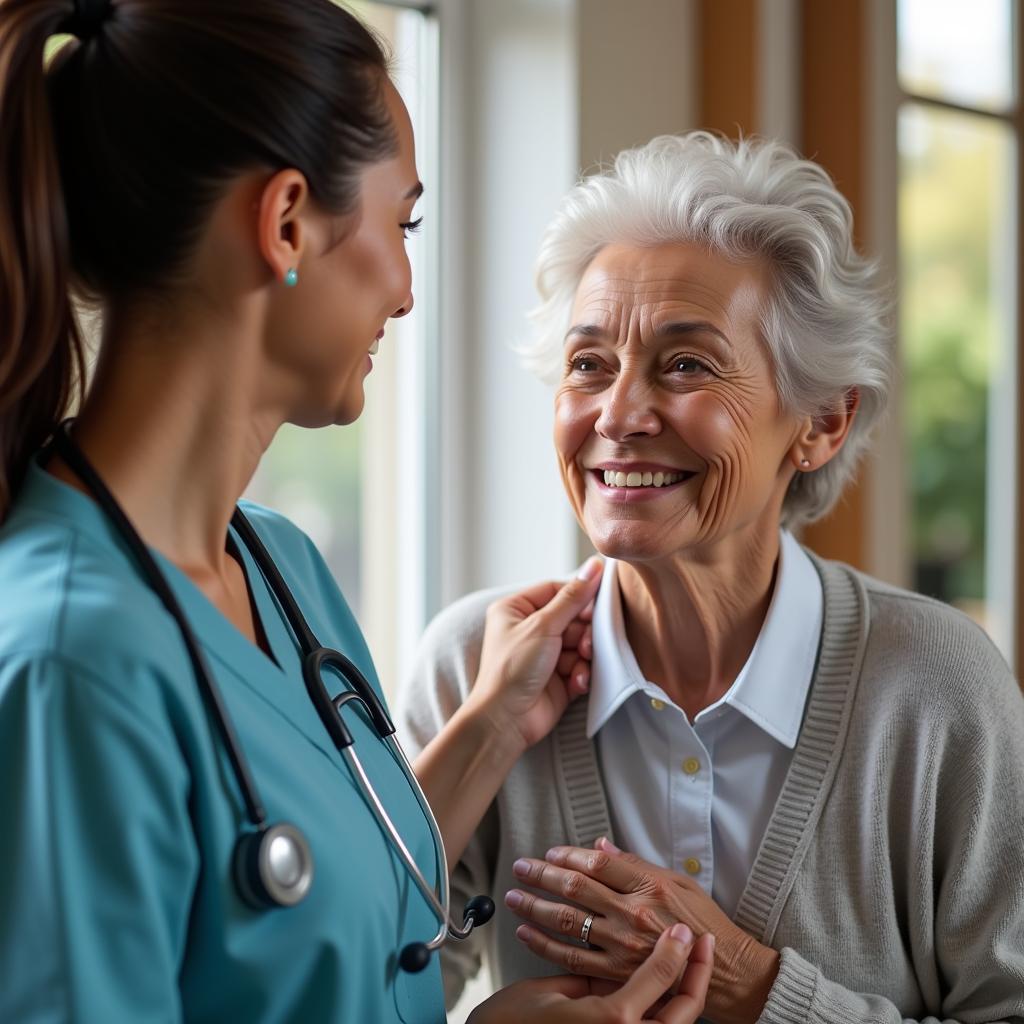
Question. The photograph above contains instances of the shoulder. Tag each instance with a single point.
(75, 601)
(922, 653)
(459, 628)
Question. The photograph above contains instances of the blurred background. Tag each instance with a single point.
(449, 484)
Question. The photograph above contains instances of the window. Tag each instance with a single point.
(362, 492)
(958, 231)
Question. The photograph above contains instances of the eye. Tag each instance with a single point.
(584, 363)
(410, 227)
(690, 366)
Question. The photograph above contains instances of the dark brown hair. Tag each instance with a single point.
(112, 158)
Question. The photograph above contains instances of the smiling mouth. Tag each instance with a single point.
(636, 479)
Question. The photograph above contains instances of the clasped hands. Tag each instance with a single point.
(632, 902)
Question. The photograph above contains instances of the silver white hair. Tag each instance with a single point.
(826, 320)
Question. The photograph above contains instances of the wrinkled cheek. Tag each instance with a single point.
(573, 426)
(718, 432)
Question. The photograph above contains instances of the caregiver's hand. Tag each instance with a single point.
(632, 902)
(536, 655)
(567, 1000)
(535, 659)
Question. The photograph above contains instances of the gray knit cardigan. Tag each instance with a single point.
(891, 873)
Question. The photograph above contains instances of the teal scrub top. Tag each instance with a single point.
(120, 812)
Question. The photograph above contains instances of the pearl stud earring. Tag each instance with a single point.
(805, 463)
(291, 279)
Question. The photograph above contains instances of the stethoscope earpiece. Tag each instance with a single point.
(479, 910)
(414, 957)
(273, 867)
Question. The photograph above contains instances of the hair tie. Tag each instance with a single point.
(88, 18)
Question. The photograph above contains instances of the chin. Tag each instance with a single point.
(349, 409)
(632, 542)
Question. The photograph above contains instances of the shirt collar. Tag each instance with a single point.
(772, 686)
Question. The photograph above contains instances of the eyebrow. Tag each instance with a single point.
(675, 329)
(416, 191)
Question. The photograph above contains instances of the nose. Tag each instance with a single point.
(404, 309)
(627, 411)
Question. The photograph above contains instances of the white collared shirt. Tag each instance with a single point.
(697, 798)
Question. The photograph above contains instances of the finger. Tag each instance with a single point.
(559, 918)
(574, 671)
(621, 872)
(573, 635)
(556, 615)
(567, 661)
(569, 985)
(586, 644)
(579, 679)
(657, 974)
(688, 1005)
(566, 884)
(574, 959)
(698, 971)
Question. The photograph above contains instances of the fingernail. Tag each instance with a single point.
(523, 933)
(608, 846)
(513, 898)
(555, 855)
(681, 933)
(521, 867)
(589, 568)
(582, 682)
(713, 940)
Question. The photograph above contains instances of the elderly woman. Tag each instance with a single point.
(823, 771)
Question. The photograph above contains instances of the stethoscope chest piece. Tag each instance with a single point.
(273, 867)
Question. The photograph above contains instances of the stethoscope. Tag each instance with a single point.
(273, 865)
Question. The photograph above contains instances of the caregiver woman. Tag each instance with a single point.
(232, 182)
(824, 771)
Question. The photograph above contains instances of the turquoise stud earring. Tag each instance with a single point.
(291, 279)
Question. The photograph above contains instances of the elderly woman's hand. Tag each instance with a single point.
(632, 902)
(568, 1000)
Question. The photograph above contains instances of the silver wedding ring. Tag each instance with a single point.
(585, 930)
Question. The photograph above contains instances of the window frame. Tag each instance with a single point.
(1012, 118)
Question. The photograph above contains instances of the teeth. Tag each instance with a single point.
(375, 347)
(614, 479)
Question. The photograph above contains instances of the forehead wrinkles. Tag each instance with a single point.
(607, 295)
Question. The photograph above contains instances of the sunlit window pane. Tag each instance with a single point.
(957, 50)
(956, 213)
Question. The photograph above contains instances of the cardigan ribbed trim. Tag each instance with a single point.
(583, 799)
(815, 758)
(812, 769)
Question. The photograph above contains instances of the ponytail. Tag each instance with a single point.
(41, 350)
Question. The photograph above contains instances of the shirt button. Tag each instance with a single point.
(658, 705)
(691, 766)
(692, 866)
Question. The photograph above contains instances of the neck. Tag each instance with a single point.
(194, 425)
(693, 619)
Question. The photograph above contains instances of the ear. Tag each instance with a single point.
(822, 436)
(280, 229)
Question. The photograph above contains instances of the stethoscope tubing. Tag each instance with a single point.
(315, 657)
